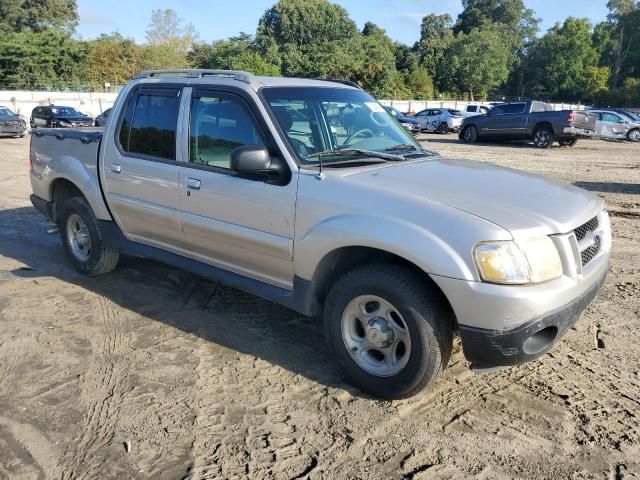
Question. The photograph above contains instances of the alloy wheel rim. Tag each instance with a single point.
(78, 237)
(376, 335)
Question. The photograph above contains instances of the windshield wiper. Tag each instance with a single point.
(359, 151)
(401, 146)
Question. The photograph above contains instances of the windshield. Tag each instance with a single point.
(327, 120)
(632, 115)
(66, 112)
(5, 112)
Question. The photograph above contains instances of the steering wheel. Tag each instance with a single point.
(359, 133)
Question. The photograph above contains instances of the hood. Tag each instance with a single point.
(77, 118)
(11, 119)
(514, 200)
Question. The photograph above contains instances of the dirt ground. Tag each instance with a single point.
(151, 372)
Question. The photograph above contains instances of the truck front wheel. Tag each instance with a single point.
(543, 137)
(82, 241)
(389, 329)
(470, 134)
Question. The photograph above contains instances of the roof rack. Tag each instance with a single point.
(239, 75)
(350, 83)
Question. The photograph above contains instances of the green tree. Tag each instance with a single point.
(436, 36)
(112, 59)
(563, 64)
(37, 15)
(168, 41)
(376, 71)
(476, 62)
(49, 59)
(308, 38)
(235, 53)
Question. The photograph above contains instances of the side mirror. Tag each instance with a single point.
(255, 160)
(251, 159)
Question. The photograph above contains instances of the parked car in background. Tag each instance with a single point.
(55, 116)
(616, 125)
(410, 123)
(440, 120)
(471, 110)
(11, 123)
(102, 118)
(634, 116)
(529, 120)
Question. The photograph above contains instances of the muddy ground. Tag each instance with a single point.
(201, 381)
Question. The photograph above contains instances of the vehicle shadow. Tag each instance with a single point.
(607, 187)
(214, 312)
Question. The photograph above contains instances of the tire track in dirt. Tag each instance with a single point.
(249, 432)
(102, 390)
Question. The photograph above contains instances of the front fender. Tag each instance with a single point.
(416, 244)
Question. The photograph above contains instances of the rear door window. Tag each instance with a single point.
(149, 125)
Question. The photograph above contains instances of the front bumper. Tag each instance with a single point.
(495, 348)
(13, 130)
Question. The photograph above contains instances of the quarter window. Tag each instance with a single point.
(150, 123)
(219, 124)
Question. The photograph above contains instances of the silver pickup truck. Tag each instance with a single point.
(309, 194)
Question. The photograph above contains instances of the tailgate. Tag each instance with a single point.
(584, 119)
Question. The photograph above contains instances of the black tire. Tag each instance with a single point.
(470, 134)
(567, 142)
(443, 128)
(633, 135)
(543, 137)
(101, 259)
(424, 313)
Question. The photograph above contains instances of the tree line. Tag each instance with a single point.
(494, 49)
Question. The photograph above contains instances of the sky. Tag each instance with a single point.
(217, 19)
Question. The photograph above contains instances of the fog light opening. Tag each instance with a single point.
(540, 340)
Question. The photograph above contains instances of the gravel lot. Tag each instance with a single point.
(151, 372)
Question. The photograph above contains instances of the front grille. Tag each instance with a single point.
(592, 250)
(588, 253)
(582, 230)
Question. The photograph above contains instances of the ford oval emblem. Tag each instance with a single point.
(596, 241)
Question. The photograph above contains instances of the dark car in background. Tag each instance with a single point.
(54, 116)
(11, 123)
(529, 120)
(102, 118)
(409, 123)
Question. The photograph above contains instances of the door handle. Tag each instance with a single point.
(115, 168)
(193, 183)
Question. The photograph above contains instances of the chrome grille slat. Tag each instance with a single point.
(590, 226)
(587, 254)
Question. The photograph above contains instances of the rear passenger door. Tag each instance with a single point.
(140, 169)
(244, 225)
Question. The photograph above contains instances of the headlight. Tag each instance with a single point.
(504, 262)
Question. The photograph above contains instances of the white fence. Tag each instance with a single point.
(94, 104)
(23, 103)
(417, 105)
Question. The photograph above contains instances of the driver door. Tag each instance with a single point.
(240, 224)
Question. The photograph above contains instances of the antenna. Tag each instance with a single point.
(321, 174)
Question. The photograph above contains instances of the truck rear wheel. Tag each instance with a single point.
(389, 329)
(543, 137)
(82, 241)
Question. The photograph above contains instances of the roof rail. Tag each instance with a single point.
(350, 83)
(239, 75)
